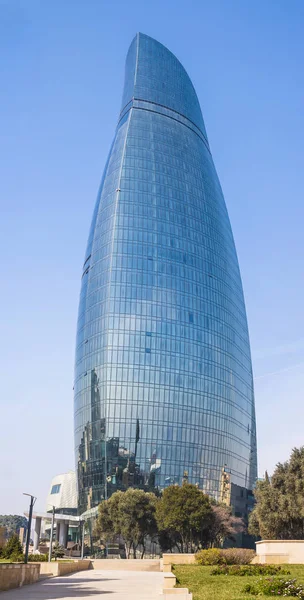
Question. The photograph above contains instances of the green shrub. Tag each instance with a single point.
(251, 570)
(212, 556)
(38, 558)
(229, 556)
(273, 586)
(238, 556)
(16, 557)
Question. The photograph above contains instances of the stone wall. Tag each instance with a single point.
(177, 559)
(16, 575)
(130, 564)
(280, 552)
(57, 568)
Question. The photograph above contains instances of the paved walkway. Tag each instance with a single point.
(93, 585)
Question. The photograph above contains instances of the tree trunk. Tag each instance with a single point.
(182, 546)
(143, 552)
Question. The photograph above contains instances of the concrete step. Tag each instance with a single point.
(178, 593)
(169, 580)
(175, 591)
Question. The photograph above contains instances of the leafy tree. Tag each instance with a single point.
(224, 525)
(58, 551)
(185, 514)
(279, 509)
(13, 523)
(167, 540)
(131, 514)
(13, 549)
(108, 520)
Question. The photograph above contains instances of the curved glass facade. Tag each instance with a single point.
(163, 375)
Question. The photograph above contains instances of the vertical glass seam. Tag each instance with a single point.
(136, 63)
(111, 260)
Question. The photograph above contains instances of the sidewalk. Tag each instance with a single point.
(94, 585)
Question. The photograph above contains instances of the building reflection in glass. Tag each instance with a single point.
(95, 482)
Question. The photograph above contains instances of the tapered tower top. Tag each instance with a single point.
(153, 74)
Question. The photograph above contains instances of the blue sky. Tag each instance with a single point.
(62, 66)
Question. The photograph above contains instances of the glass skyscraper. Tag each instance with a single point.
(163, 375)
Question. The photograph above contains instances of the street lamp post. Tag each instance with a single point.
(82, 538)
(105, 453)
(33, 500)
(51, 537)
(105, 469)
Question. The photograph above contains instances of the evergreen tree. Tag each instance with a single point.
(13, 549)
(57, 551)
(279, 510)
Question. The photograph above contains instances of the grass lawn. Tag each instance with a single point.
(8, 560)
(5, 560)
(223, 587)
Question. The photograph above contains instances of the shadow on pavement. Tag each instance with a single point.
(56, 588)
(66, 579)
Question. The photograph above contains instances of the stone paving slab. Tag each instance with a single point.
(93, 585)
